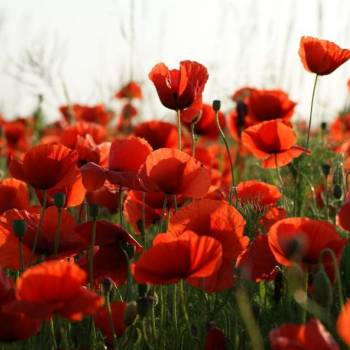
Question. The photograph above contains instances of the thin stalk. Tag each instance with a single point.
(111, 322)
(143, 218)
(223, 137)
(311, 108)
(120, 206)
(161, 223)
(128, 282)
(306, 284)
(183, 306)
(91, 254)
(37, 231)
(20, 253)
(178, 121)
(193, 139)
(58, 233)
(174, 309)
(337, 273)
(52, 331)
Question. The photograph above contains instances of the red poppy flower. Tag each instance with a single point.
(258, 193)
(273, 142)
(13, 194)
(309, 336)
(130, 90)
(257, 263)
(175, 172)
(215, 339)
(193, 112)
(157, 133)
(206, 126)
(125, 158)
(269, 105)
(179, 88)
(16, 134)
(242, 94)
(303, 239)
(128, 111)
(272, 215)
(217, 219)
(174, 258)
(343, 323)
(55, 287)
(14, 325)
(109, 258)
(46, 166)
(96, 114)
(103, 322)
(70, 243)
(106, 196)
(321, 56)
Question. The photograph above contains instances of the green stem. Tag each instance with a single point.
(306, 285)
(178, 120)
(91, 254)
(120, 206)
(193, 139)
(184, 308)
(111, 322)
(175, 310)
(223, 137)
(311, 108)
(337, 273)
(58, 232)
(52, 330)
(143, 218)
(161, 223)
(37, 231)
(21, 257)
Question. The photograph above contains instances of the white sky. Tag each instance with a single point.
(87, 45)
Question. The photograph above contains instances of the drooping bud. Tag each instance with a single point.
(130, 313)
(326, 168)
(19, 228)
(337, 191)
(323, 293)
(324, 126)
(107, 285)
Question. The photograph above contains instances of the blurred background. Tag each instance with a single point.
(85, 50)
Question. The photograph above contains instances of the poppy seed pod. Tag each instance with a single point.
(324, 126)
(130, 313)
(59, 199)
(326, 168)
(19, 228)
(107, 285)
(216, 105)
(337, 191)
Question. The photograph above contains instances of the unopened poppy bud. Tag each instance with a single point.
(19, 228)
(93, 210)
(144, 305)
(143, 289)
(323, 288)
(326, 168)
(59, 199)
(337, 191)
(128, 248)
(324, 126)
(130, 313)
(338, 176)
(107, 285)
(216, 105)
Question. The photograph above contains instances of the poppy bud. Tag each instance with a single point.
(93, 211)
(337, 191)
(143, 289)
(338, 176)
(19, 228)
(324, 126)
(144, 305)
(130, 313)
(128, 248)
(278, 286)
(216, 105)
(326, 168)
(323, 288)
(107, 285)
(59, 199)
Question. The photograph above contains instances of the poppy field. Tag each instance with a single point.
(219, 230)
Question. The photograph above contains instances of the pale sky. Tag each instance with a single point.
(91, 48)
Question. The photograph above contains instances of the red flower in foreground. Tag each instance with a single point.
(179, 88)
(273, 142)
(343, 323)
(321, 56)
(344, 215)
(302, 240)
(216, 219)
(309, 336)
(215, 340)
(14, 325)
(46, 166)
(268, 105)
(175, 172)
(174, 258)
(55, 287)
